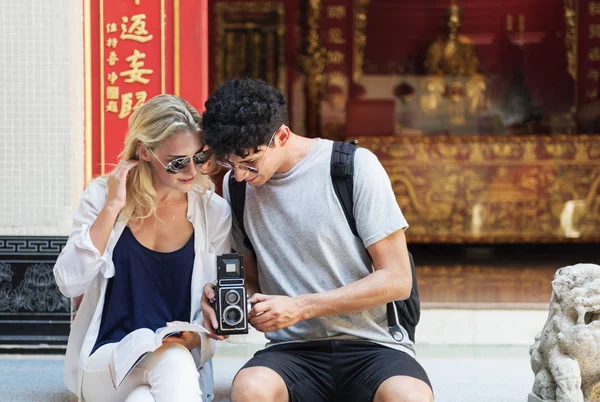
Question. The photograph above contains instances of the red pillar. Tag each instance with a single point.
(193, 54)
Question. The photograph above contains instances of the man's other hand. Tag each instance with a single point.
(270, 313)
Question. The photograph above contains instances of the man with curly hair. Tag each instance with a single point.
(319, 293)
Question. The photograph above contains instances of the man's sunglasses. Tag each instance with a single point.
(178, 165)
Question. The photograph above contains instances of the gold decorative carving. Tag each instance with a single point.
(571, 36)
(453, 54)
(433, 95)
(360, 37)
(254, 26)
(313, 63)
(495, 189)
(476, 92)
(456, 106)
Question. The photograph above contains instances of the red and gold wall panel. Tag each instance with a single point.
(135, 50)
(483, 189)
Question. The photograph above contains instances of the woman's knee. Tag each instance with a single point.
(174, 355)
(171, 361)
(258, 384)
(172, 374)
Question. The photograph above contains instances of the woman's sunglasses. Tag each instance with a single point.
(178, 165)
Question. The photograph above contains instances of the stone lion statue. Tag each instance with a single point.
(565, 356)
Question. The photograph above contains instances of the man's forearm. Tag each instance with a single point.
(377, 289)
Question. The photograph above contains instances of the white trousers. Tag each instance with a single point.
(167, 374)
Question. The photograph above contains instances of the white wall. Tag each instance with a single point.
(41, 115)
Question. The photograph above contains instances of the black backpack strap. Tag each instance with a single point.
(342, 171)
(237, 199)
(410, 309)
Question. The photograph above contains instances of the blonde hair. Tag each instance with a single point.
(154, 122)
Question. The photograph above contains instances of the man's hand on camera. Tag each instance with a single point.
(270, 313)
(210, 317)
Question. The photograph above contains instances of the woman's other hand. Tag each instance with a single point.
(189, 339)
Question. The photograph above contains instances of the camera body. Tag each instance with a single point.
(231, 300)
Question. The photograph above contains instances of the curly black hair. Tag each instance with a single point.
(241, 115)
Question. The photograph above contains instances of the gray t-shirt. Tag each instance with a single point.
(304, 244)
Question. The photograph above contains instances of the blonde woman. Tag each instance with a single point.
(143, 244)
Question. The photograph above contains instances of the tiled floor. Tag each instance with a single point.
(458, 374)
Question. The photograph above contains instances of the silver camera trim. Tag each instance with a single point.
(237, 296)
(223, 291)
(232, 307)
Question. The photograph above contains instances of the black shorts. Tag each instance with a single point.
(324, 371)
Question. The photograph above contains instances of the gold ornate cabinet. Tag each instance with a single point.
(495, 189)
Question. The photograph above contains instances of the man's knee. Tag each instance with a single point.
(258, 384)
(403, 389)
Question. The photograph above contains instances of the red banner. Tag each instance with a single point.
(588, 58)
(337, 39)
(133, 51)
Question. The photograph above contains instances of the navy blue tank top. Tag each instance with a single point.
(149, 289)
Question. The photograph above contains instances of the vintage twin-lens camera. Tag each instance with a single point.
(230, 302)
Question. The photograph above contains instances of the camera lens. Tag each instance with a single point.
(232, 315)
(232, 297)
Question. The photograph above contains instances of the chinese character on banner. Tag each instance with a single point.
(594, 54)
(594, 8)
(336, 12)
(335, 57)
(593, 75)
(336, 36)
(594, 31)
(126, 105)
(112, 77)
(140, 99)
(112, 59)
(137, 29)
(336, 78)
(135, 74)
(111, 28)
(112, 107)
(112, 42)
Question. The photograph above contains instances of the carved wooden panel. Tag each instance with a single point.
(484, 189)
(32, 309)
(250, 41)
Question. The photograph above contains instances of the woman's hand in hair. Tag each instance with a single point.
(116, 184)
